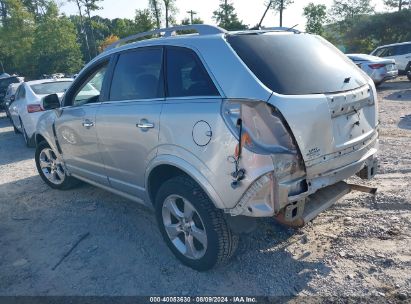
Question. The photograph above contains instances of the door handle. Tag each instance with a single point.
(145, 125)
(88, 124)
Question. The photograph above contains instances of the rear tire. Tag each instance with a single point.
(197, 232)
(51, 170)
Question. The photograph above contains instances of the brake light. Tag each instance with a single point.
(376, 65)
(33, 108)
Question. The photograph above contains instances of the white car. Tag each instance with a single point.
(400, 52)
(27, 107)
(379, 69)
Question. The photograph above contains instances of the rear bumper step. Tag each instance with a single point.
(300, 213)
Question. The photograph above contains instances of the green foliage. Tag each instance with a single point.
(226, 17)
(349, 9)
(398, 4)
(55, 48)
(367, 32)
(316, 15)
(16, 37)
(156, 10)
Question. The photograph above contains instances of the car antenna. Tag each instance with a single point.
(258, 26)
(291, 28)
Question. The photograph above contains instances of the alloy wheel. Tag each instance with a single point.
(51, 167)
(184, 227)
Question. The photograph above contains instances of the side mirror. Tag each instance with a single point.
(12, 98)
(51, 102)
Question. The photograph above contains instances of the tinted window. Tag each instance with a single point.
(50, 87)
(186, 75)
(4, 83)
(91, 88)
(138, 75)
(21, 92)
(296, 64)
(403, 49)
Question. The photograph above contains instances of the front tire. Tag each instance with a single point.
(51, 169)
(194, 230)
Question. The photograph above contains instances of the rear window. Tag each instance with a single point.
(297, 64)
(50, 87)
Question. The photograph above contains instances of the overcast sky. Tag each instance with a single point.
(250, 11)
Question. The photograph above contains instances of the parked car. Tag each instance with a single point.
(4, 75)
(4, 84)
(214, 130)
(377, 68)
(401, 52)
(28, 104)
(10, 97)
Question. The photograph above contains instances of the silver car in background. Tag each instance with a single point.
(379, 69)
(213, 131)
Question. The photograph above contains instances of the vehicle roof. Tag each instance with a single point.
(364, 57)
(186, 39)
(41, 81)
(394, 44)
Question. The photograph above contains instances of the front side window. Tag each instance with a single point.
(138, 75)
(90, 90)
(186, 75)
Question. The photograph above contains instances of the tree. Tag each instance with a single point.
(280, 6)
(349, 9)
(169, 8)
(397, 4)
(91, 6)
(37, 7)
(55, 48)
(187, 21)
(107, 42)
(82, 30)
(156, 10)
(16, 37)
(143, 21)
(226, 17)
(316, 15)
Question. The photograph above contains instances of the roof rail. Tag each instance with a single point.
(202, 29)
(281, 29)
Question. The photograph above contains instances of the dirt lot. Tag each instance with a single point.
(360, 247)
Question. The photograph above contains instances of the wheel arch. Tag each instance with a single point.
(166, 167)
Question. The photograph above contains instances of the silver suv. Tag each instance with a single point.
(214, 130)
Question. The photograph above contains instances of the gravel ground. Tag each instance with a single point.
(360, 247)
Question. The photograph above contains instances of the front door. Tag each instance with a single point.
(76, 127)
(128, 123)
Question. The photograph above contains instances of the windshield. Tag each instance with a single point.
(50, 87)
(297, 64)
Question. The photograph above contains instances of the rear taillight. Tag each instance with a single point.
(33, 108)
(376, 65)
(262, 127)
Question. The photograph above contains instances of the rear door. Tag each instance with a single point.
(128, 122)
(76, 126)
(403, 56)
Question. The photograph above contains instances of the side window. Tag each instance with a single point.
(186, 75)
(404, 49)
(21, 94)
(91, 88)
(138, 75)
